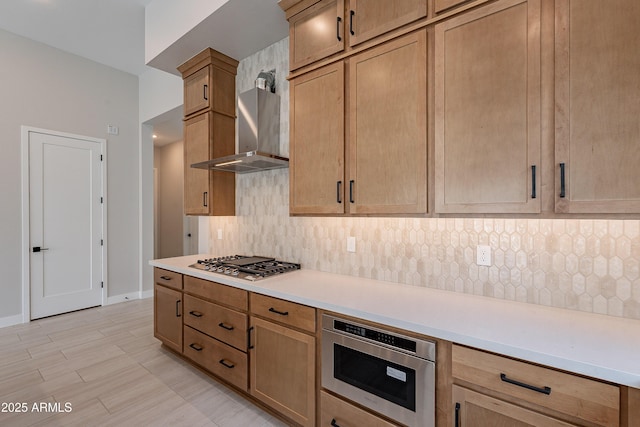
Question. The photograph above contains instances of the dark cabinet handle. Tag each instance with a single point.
(338, 21)
(351, 15)
(281, 313)
(165, 277)
(249, 346)
(562, 181)
(533, 181)
(351, 192)
(226, 364)
(205, 199)
(543, 390)
(457, 415)
(334, 423)
(39, 249)
(195, 313)
(205, 94)
(223, 326)
(196, 347)
(338, 187)
(178, 302)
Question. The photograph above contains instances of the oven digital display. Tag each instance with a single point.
(375, 335)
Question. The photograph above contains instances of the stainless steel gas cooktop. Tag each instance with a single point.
(245, 267)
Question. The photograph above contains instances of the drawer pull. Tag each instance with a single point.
(334, 423)
(281, 313)
(196, 347)
(226, 364)
(223, 326)
(543, 390)
(165, 277)
(195, 313)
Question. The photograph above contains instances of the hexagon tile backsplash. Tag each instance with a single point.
(586, 265)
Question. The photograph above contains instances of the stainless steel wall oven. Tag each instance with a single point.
(389, 373)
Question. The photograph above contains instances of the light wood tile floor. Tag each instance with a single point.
(103, 367)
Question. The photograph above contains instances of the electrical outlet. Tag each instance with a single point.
(483, 255)
(351, 244)
(219, 233)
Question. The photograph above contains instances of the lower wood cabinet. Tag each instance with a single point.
(168, 308)
(335, 411)
(498, 389)
(283, 369)
(479, 410)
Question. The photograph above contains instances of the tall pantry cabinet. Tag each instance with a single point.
(209, 131)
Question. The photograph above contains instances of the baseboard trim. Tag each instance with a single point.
(11, 320)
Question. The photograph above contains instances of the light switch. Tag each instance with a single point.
(351, 244)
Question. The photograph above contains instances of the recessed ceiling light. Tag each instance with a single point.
(155, 136)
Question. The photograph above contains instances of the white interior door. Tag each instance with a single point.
(65, 227)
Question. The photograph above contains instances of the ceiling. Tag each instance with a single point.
(111, 32)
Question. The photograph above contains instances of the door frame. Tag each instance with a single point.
(26, 213)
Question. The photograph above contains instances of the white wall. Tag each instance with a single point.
(168, 20)
(46, 88)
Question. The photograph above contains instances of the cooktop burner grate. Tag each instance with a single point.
(245, 267)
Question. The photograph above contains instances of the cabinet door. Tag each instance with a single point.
(196, 91)
(196, 181)
(597, 106)
(283, 370)
(370, 18)
(487, 110)
(478, 410)
(316, 33)
(388, 128)
(208, 135)
(168, 317)
(317, 142)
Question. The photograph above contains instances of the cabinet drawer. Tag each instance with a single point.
(337, 411)
(572, 395)
(167, 278)
(223, 294)
(288, 313)
(227, 325)
(218, 358)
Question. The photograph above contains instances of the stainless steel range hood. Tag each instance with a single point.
(258, 136)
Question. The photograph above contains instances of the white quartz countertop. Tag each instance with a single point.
(603, 347)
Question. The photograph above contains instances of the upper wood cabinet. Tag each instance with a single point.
(318, 29)
(387, 133)
(367, 19)
(388, 128)
(207, 136)
(487, 110)
(196, 91)
(316, 151)
(209, 132)
(597, 69)
(316, 32)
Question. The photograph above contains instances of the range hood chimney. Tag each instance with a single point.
(258, 133)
